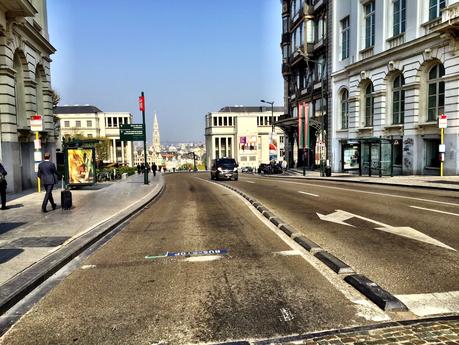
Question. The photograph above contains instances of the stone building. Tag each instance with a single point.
(243, 133)
(395, 69)
(90, 122)
(25, 88)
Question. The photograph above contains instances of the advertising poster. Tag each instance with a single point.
(81, 166)
(248, 144)
(272, 147)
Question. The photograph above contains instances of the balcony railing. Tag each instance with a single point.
(396, 40)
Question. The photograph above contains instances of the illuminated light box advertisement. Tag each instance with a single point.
(81, 166)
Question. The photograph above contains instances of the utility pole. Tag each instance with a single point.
(272, 121)
(142, 109)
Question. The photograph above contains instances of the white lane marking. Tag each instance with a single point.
(364, 308)
(87, 267)
(308, 193)
(432, 303)
(247, 181)
(438, 211)
(288, 253)
(203, 258)
(374, 193)
(340, 216)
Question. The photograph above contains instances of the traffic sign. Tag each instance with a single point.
(36, 123)
(132, 132)
(443, 121)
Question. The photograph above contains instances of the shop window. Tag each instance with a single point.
(432, 154)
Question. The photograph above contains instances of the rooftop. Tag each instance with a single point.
(250, 109)
(76, 109)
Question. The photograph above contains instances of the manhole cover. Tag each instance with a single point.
(38, 242)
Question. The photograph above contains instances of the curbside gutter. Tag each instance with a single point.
(23, 283)
(382, 298)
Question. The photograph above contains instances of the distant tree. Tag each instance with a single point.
(56, 98)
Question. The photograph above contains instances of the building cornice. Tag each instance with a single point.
(420, 44)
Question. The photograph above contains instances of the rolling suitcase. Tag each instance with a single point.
(66, 198)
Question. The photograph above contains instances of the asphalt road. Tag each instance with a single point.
(402, 261)
(260, 285)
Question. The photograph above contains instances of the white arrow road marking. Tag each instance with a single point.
(308, 193)
(340, 216)
(432, 303)
(337, 217)
(438, 211)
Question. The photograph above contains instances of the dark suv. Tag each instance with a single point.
(224, 168)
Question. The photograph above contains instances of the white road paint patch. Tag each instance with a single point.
(288, 253)
(367, 310)
(308, 194)
(87, 267)
(432, 303)
(286, 315)
(247, 181)
(373, 193)
(340, 216)
(203, 258)
(438, 211)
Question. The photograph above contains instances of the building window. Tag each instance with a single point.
(281, 139)
(215, 122)
(369, 105)
(109, 122)
(89, 135)
(230, 121)
(432, 153)
(435, 7)
(398, 152)
(345, 30)
(225, 121)
(436, 104)
(370, 24)
(217, 148)
(77, 123)
(115, 122)
(285, 25)
(398, 100)
(66, 123)
(220, 121)
(399, 16)
(345, 109)
(89, 123)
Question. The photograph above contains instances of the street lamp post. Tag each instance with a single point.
(272, 118)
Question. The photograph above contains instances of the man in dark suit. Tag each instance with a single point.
(48, 174)
(3, 187)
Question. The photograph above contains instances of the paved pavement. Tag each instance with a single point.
(433, 182)
(27, 235)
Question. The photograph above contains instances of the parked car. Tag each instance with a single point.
(269, 169)
(248, 170)
(224, 169)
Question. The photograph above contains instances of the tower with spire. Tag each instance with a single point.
(155, 136)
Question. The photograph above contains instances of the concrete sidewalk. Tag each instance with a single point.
(434, 182)
(27, 235)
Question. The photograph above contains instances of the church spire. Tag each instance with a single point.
(155, 135)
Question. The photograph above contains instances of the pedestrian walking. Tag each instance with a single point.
(3, 185)
(47, 172)
(284, 165)
(154, 168)
(139, 169)
(147, 168)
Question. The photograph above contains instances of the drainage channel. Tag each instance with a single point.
(19, 309)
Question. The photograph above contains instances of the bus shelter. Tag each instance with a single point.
(368, 156)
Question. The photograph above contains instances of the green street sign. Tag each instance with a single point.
(132, 132)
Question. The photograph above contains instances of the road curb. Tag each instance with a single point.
(23, 283)
(391, 184)
(382, 298)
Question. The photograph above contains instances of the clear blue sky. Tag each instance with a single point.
(189, 57)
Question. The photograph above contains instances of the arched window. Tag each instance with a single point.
(436, 105)
(345, 109)
(19, 92)
(398, 100)
(369, 105)
(40, 79)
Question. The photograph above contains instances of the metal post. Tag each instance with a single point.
(380, 157)
(145, 172)
(442, 155)
(38, 179)
(322, 163)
